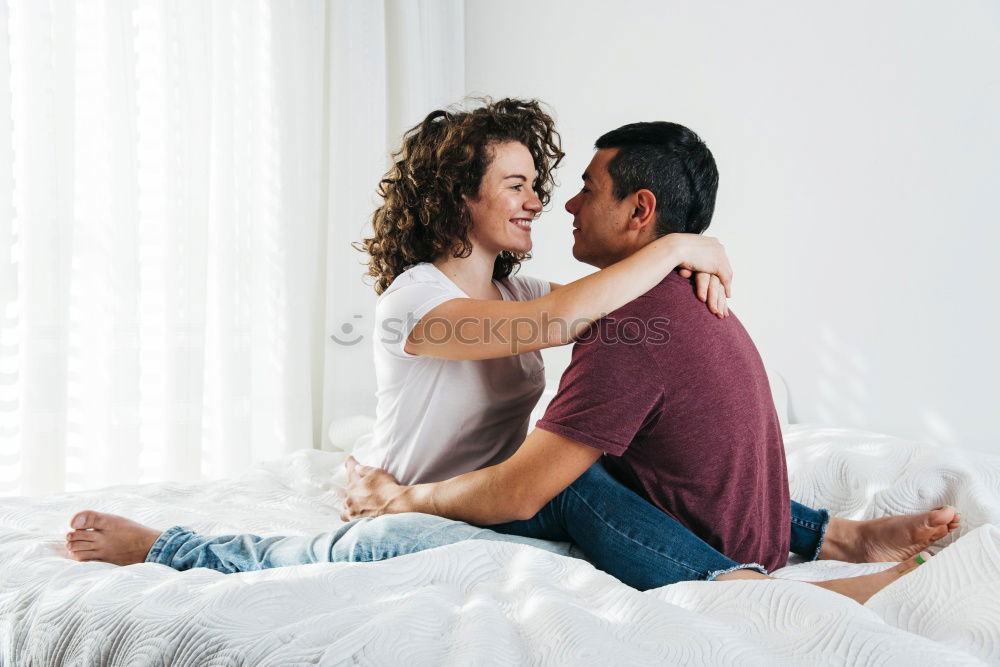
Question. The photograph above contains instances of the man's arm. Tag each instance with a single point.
(518, 488)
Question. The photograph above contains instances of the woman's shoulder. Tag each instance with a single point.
(526, 288)
(424, 272)
(423, 278)
(415, 290)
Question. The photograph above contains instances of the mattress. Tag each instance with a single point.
(491, 603)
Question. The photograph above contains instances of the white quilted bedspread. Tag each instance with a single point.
(497, 603)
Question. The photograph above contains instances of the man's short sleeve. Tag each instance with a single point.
(399, 310)
(610, 391)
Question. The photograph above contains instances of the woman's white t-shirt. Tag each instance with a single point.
(437, 418)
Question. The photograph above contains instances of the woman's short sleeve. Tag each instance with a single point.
(398, 311)
(529, 287)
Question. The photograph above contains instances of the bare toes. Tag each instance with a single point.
(81, 554)
(77, 547)
(942, 520)
(943, 515)
(913, 563)
(86, 519)
(82, 536)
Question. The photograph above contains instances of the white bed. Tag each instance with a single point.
(496, 603)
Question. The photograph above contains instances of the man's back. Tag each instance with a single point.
(680, 402)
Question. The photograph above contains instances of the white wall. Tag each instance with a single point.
(857, 143)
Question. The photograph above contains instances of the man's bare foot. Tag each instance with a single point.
(887, 540)
(109, 538)
(859, 589)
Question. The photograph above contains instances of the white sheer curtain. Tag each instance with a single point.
(162, 235)
(180, 182)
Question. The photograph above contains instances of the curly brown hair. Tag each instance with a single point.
(442, 159)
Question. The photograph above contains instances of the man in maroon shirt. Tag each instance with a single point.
(677, 398)
(686, 420)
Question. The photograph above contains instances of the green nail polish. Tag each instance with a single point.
(920, 559)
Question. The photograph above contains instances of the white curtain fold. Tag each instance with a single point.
(162, 238)
(180, 183)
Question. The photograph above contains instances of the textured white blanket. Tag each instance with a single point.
(496, 603)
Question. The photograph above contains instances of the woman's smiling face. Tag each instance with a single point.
(506, 206)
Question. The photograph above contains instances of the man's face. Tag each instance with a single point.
(599, 218)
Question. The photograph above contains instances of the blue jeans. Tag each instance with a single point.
(607, 523)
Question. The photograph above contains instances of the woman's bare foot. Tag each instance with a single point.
(109, 538)
(888, 540)
(859, 589)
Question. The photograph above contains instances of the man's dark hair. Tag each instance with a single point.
(674, 164)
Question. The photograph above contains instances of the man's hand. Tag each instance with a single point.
(370, 491)
(518, 488)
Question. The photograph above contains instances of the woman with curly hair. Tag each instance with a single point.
(458, 363)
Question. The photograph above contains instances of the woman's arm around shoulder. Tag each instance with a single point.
(488, 329)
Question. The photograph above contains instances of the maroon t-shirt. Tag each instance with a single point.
(680, 402)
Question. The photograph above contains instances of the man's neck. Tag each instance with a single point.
(605, 262)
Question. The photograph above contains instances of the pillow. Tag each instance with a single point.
(344, 433)
(779, 393)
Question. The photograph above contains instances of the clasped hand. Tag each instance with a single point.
(369, 491)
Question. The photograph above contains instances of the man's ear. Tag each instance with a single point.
(643, 210)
